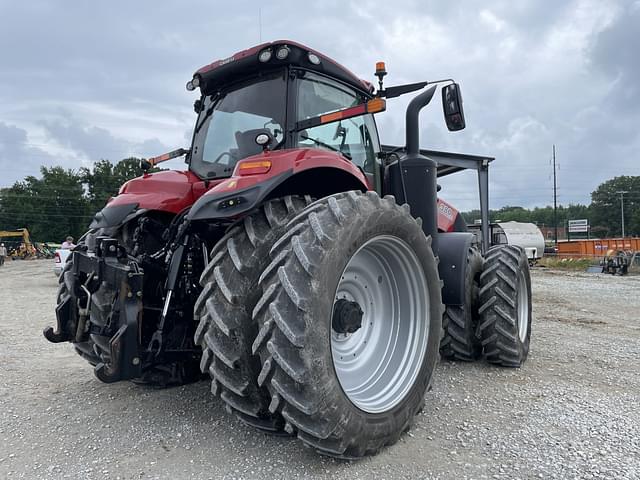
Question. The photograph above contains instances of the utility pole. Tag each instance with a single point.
(622, 192)
(555, 198)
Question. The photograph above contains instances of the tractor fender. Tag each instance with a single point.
(453, 248)
(230, 202)
(116, 215)
(295, 172)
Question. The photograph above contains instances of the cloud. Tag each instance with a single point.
(95, 143)
(19, 158)
(105, 80)
(614, 55)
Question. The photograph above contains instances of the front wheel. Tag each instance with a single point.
(350, 322)
(505, 306)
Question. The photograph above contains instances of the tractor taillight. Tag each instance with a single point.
(254, 167)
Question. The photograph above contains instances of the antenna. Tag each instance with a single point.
(260, 23)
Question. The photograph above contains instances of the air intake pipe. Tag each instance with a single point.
(418, 174)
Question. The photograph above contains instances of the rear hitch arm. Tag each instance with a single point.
(156, 343)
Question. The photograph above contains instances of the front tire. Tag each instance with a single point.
(349, 379)
(505, 306)
(230, 291)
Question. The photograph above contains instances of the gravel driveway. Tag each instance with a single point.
(571, 412)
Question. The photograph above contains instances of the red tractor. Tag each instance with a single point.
(309, 270)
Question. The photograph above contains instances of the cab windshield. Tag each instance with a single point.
(230, 121)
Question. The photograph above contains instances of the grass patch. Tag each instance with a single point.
(567, 263)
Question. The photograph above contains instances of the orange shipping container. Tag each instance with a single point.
(597, 247)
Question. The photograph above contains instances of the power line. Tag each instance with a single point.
(555, 198)
(622, 192)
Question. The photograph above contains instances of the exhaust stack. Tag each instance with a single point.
(418, 173)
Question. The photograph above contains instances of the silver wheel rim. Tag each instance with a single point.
(523, 307)
(378, 364)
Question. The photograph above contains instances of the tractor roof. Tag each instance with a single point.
(254, 60)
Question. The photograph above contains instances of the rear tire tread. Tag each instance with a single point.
(288, 371)
(226, 330)
(498, 309)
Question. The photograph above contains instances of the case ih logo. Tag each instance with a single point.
(227, 60)
(445, 210)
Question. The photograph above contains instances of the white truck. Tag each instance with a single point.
(60, 258)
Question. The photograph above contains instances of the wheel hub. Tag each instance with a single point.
(347, 316)
(380, 324)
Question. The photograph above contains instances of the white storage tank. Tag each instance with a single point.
(525, 235)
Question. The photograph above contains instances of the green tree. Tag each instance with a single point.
(63, 202)
(51, 207)
(104, 179)
(606, 206)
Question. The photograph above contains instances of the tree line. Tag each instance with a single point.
(603, 213)
(62, 202)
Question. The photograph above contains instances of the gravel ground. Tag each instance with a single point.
(570, 412)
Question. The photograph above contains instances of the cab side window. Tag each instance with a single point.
(354, 138)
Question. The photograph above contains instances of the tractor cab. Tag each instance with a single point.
(276, 97)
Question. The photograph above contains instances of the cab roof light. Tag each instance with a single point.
(313, 58)
(282, 52)
(265, 55)
(193, 83)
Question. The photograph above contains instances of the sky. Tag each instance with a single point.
(83, 81)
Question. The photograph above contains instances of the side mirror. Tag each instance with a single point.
(452, 106)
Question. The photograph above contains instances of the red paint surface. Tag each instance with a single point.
(298, 160)
(446, 216)
(170, 191)
(173, 191)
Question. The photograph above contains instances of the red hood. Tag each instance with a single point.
(169, 191)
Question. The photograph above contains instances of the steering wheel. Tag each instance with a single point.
(221, 156)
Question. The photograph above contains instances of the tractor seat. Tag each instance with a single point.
(246, 142)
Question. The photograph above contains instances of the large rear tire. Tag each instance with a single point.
(230, 291)
(350, 323)
(505, 306)
(460, 322)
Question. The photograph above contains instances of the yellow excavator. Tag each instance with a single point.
(26, 248)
